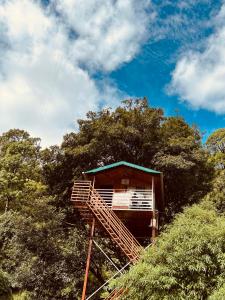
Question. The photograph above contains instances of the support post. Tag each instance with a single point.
(154, 227)
(88, 260)
(154, 215)
(162, 189)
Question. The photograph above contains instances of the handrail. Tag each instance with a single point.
(127, 200)
(116, 229)
(128, 238)
(116, 222)
(119, 222)
(87, 197)
(117, 199)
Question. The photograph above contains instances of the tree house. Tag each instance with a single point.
(124, 200)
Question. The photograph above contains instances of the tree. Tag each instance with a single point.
(184, 163)
(40, 253)
(139, 134)
(20, 168)
(5, 290)
(218, 294)
(42, 247)
(187, 262)
(216, 141)
(217, 194)
(131, 132)
(216, 145)
(37, 249)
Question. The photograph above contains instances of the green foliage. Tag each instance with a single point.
(216, 146)
(218, 294)
(40, 254)
(216, 141)
(187, 262)
(139, 134)
(21, 296)
(38, 250)
(42, 241)
(216, 197)
(184, 163)
(128, 133)
(42, 247)
(5, 290)
(53, 174)
(20, 168)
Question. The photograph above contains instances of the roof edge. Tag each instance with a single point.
(121, 163)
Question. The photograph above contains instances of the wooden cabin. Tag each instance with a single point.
(133, 192)
(122, 200)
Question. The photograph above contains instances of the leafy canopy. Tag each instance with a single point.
(216, 146)
(5, 291)
(20, 168)
(187, 262)
(139, 134)
(42, 247)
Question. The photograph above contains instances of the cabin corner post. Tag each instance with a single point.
(154, 226)
(88, 260)
(162, 189)
(154, 214)
(84, 176)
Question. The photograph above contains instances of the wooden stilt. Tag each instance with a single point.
(154, 215)
(88, 260)
(154, 227)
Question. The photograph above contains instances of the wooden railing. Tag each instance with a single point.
(114, 226)
(80, 196)
(91, 202)
(87, 199)
(115, 294)
(132, 199)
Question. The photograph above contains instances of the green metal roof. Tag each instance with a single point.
(122, 163)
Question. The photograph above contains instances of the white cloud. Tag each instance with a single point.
(109, 32)
(43, 87)
(199, 76)
(45, 93)
(24, 19)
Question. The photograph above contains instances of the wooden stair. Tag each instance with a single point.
(80, 195)
(90, 204)
(115, 294)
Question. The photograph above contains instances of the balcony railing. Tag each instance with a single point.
(133, 199)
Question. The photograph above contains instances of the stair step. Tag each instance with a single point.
(107, 218)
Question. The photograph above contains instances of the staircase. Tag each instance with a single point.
(90, 204)
(80, 196)
(115, 294)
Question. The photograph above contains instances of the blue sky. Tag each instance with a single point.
(156, 61)
(62, 58)
(153, 84)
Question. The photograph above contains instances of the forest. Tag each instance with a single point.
(43, 241)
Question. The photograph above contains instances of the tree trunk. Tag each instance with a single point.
(7, 205)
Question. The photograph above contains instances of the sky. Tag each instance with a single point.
(60, 59)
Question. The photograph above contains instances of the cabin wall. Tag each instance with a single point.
(112, 179)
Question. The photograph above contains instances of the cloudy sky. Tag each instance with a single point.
(62, 58)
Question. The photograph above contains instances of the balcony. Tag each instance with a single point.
(132, 199)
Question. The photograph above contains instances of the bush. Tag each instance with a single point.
(5, 290)
(187, 262)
